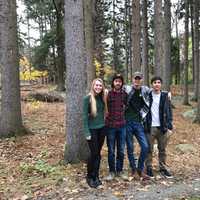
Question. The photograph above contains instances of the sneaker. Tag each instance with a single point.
(91, 182)
(150, 172)
(122, 175)
(110, 176)
(165, 173)
(143, 176)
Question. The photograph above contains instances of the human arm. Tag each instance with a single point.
(85, 115)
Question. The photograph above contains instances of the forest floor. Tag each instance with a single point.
(31, 166)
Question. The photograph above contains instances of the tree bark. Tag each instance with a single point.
(11, 120)
(136, 32)
(59, 7)
(89, 39)
(145, 66)
(167, 46)
(98, 35)
(126, 39)
(196, 53)
(186, 95)
(158, 38)
(178, 71)
(75, 148)
(196, 49)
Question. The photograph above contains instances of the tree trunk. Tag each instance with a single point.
(59, 7)
(145, 66)
(136, 31)
(98, 36)
(186, 95)
(158, 38)
(192, 37)
(178, 71)
(89, 39)
(167, 46)
(75, 148)
(126, 38)
(196, 49)
(11, 120)
(130, 40)
(196, 53)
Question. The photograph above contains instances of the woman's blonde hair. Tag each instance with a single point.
(93, 105)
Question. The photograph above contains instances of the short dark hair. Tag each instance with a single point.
(156, 78)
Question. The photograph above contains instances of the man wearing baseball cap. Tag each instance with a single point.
(136, 111)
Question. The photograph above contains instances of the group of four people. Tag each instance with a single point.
(120, 114)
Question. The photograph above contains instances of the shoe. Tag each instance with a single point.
(98, 181)
(110, 176)
(91, 182)
(150, 172)
(143, 176)
(122, 175)
(165, 173)
(133, 173)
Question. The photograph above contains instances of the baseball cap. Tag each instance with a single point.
(138, 74)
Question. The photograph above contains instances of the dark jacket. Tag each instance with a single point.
(145, 92)
(165, 114)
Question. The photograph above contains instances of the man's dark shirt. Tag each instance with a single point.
(136, 103)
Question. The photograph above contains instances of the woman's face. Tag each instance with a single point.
(98, 87)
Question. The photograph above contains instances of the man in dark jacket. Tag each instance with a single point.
(136, 110)
(159, 125)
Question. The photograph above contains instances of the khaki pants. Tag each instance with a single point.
(162, 140)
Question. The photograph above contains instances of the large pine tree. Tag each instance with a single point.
(11, 121)
(76, 80)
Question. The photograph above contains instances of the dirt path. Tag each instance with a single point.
(178, 190)
(155, 191)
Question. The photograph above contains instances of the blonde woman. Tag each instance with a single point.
(94, 109)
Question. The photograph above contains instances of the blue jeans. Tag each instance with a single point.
(116, 136)
(136, 129)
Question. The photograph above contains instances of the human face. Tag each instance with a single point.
(137, 82)
(98, 87)
(157, 85)
(117, 83)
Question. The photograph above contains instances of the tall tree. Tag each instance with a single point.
(136, 35)
(186, 95)
(196, 53)
(167, 45)
(158, 37)
(75, 148)
(10, 120)
(59, 8)
(145, 66)
(89, 8)
(126, 39)
(178, 71)
(99, 34)
(192, 37)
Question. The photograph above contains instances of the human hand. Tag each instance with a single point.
(169, 132)
(88, 137)
(170, 96)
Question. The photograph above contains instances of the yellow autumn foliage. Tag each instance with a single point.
(107, 70)
(29, 73)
